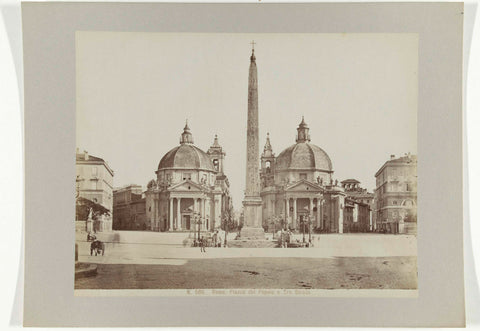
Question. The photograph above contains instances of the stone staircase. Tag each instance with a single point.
(252, 243)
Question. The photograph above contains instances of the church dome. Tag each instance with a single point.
(186, 156)
(304, 155)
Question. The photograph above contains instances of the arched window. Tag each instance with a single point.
(215, 164)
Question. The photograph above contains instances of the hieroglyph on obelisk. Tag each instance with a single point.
(252, 202)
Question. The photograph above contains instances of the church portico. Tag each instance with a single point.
(299, 207)
(186, 210)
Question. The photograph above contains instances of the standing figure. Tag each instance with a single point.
(203, 243)
(215, 237)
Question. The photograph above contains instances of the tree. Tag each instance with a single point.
(83, 206)
(228, 220)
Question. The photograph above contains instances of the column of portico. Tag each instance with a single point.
(170, 215)
(179, 216)
(319, 211)
(295, 213)
(287, 214)
(204, 214)
(310, 211)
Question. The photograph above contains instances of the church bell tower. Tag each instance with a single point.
(268, 164)
(217, 155)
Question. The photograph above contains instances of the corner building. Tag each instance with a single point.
(95, 183)
(191, 189)
(298, 189)
(396, 195)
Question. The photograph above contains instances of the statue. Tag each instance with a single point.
(152, 184)
(89, 222)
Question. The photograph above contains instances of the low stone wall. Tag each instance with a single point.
(410, 228)
(83, 270)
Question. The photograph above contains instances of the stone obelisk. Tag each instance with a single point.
(252, 203)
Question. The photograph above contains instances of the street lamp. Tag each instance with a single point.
(77, 195)
(304, 220)
(198, 221)
(309, 230)
(303, 229)
(272, 222)
(225, 228)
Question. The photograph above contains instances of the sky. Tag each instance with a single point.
(357, 92)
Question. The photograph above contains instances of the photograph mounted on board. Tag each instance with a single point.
(246, 164)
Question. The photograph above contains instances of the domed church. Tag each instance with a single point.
(190, 188)
(297, 188)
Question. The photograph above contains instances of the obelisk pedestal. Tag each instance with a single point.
(252, 212)
(252, 203)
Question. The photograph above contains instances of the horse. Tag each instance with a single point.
(98, 247)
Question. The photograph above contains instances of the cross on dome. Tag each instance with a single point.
(252, 58)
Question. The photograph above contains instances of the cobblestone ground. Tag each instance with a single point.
(286, 273)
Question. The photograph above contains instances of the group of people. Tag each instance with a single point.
(285, 238)
(214, 241)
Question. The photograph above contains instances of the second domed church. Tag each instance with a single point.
(297, 187)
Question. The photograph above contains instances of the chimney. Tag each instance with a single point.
(86, 155)
(392, 156)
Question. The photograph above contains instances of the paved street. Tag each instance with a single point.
(159, 260)
(325, 273)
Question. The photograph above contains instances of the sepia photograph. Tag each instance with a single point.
(199, 164)
(246, 164)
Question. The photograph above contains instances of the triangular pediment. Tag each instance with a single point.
(302, 186)
(187, 185)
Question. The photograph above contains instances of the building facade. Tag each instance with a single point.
(396, 195)
(95, 182)
(298, 191)
(191, 189)
(129, 209)
(363, 203)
